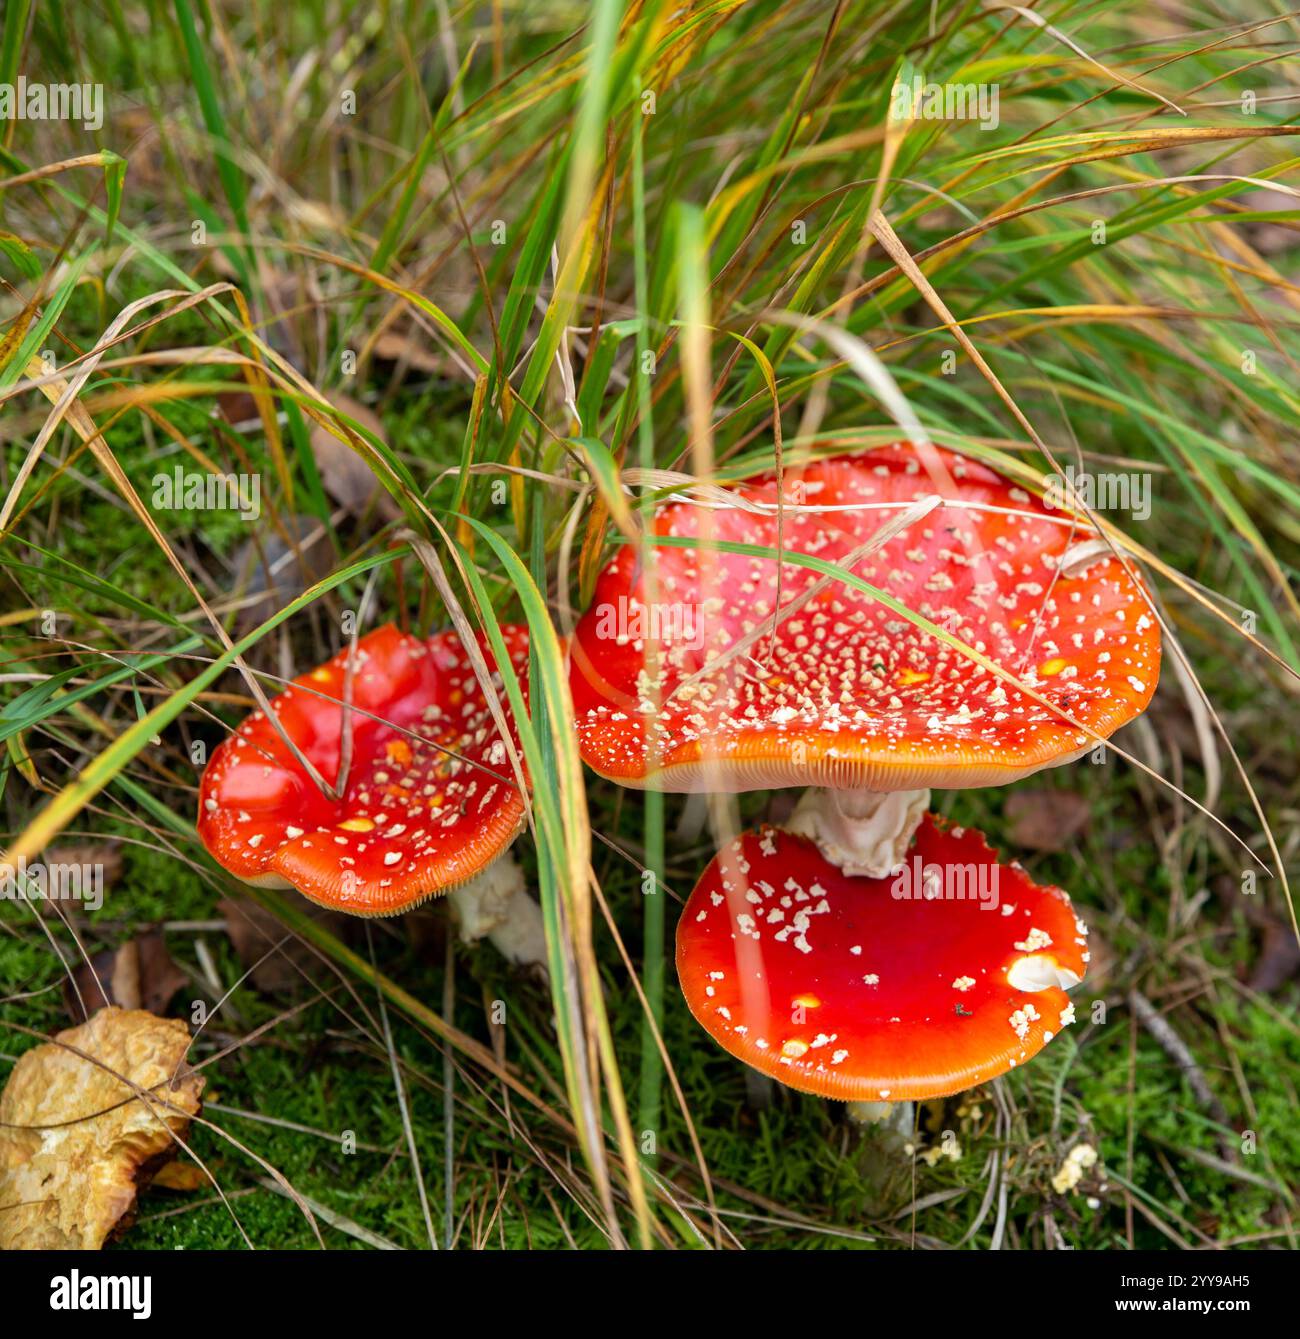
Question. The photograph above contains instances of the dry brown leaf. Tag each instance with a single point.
(392, 347)
(344, 474)
(103, 859)
(277, 572)
(1046, 820)
(253, 931)
(238, 408)
(1278, 959)
(76, 1142)
(139, 974)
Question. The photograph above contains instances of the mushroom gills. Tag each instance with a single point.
(862, 832)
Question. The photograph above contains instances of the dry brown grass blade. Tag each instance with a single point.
(67, 406)
(1039, 22)
(51, 170)
(959, 241)
(69, 390)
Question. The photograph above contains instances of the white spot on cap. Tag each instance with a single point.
(1039, 972)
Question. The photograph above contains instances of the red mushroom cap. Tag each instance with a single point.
(430, 798)
(874, 702)
(868, 989)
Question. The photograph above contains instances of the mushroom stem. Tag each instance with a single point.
(864, 832)
(889, 1117)
(695, 813)
(495, 905)
(886, 1133)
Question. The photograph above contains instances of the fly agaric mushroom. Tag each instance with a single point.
(878, 990)
(428, 801)
(846, 694)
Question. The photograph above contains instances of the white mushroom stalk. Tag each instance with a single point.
(495, 905)
(893, 1118)
(864, 832)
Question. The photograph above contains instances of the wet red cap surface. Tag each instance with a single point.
(430, 797)
(851, 693)
(917, 985)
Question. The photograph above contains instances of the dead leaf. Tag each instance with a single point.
(1279, 958)
(253, 931)
(77, 1142)
(344, 474)
(276, 572)
(97, 860)
(408, 351)
(139, 974)
(1046, 820)
(1279, 954)
(239, 409)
